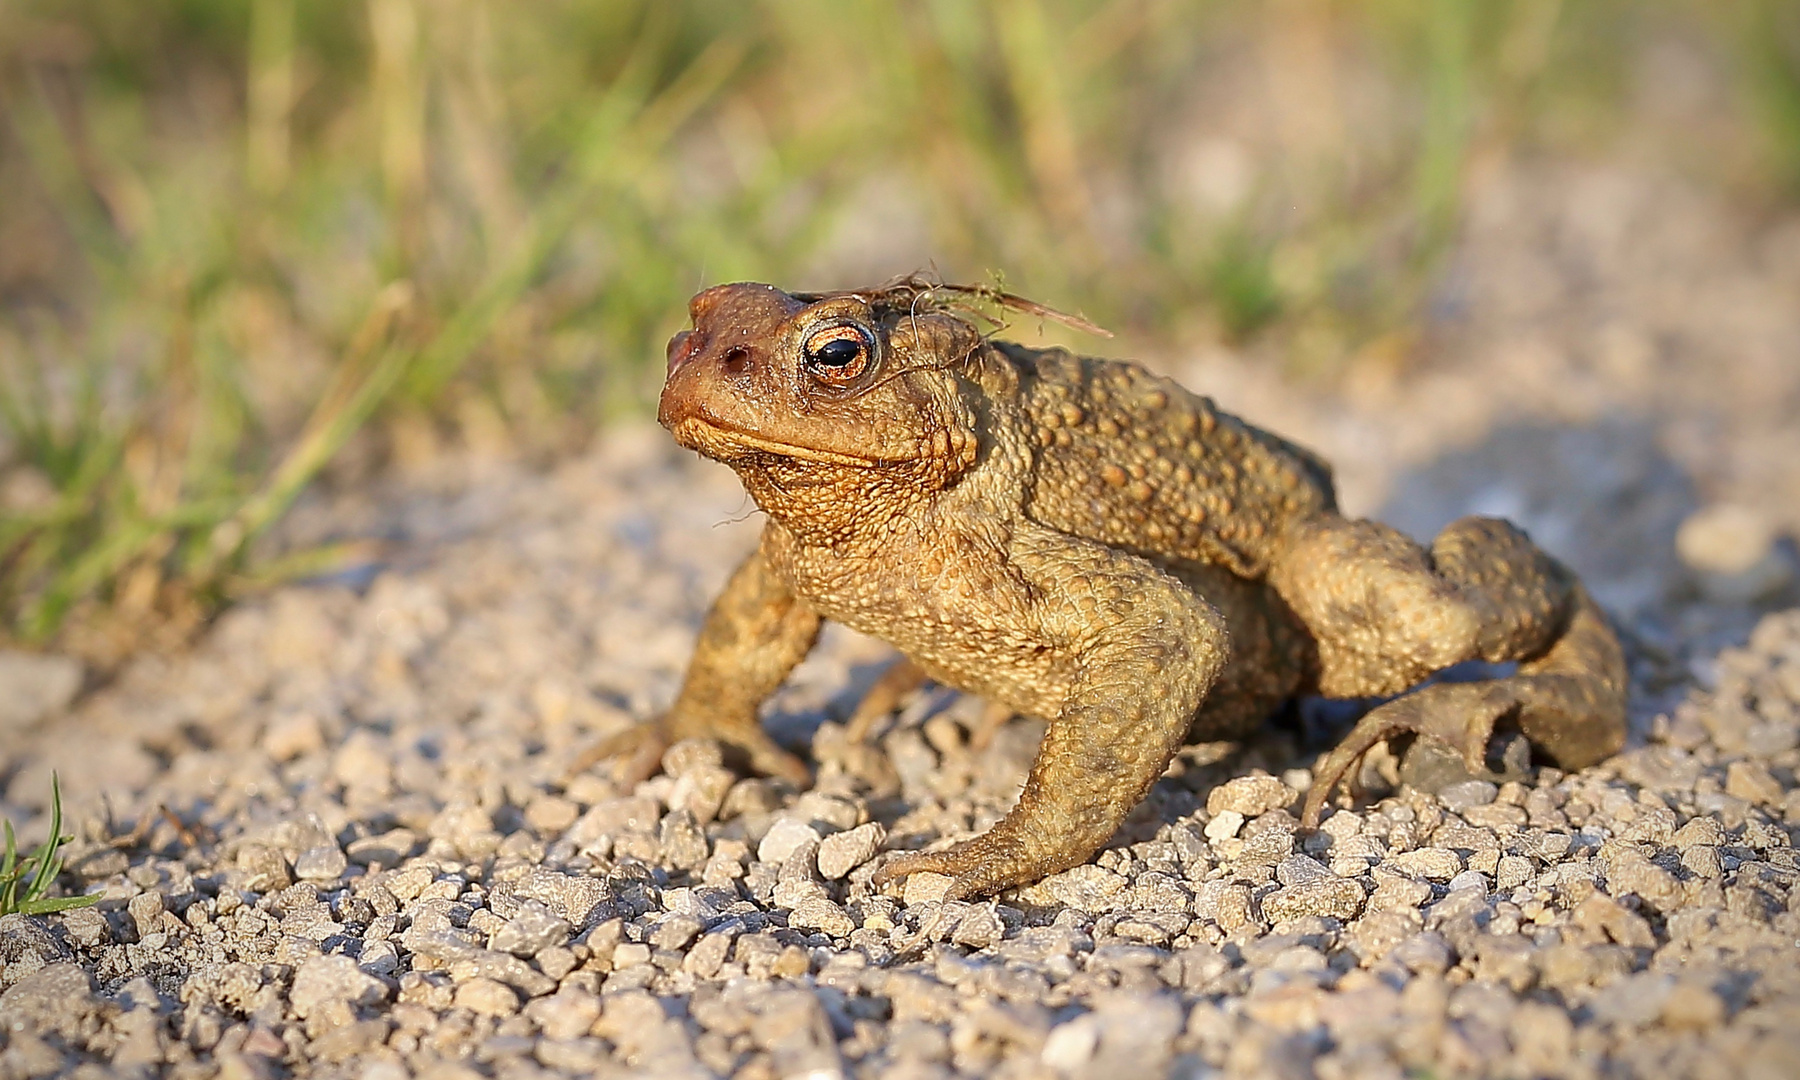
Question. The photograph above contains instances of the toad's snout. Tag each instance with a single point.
(683, 347)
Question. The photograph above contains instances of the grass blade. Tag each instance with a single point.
(52, 905)
(44, 865)
(9, 875)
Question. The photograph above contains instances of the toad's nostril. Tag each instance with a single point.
(735, 360)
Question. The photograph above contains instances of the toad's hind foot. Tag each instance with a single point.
(1570, 703)
(1459, 715)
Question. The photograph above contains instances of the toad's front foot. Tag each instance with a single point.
(638, 751)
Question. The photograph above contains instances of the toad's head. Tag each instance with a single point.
(823, 382)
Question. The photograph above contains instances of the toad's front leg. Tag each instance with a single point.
(1139, 652)
(755, 634)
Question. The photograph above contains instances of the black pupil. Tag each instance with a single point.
(839, 352)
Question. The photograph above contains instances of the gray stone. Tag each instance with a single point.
(925, 888)
(26, 944)
(324, 864)
(683, 841)
(676, 932)
(1699, 830)
(486, 997)
(263, 868)
(378, 957)
(1511, 871)
(843, 852)
(468, 961)
(583, 901)
(329, 988)
(709, 953)
(1425, 953)
(785, 837)
(1469, 879)
(1731, 550)
(1333, 896)
(818, 913)
(1086, 888)
(1224, 825)
(1468, 794)
(1226, 903)
(57, 998)
(1437, 864)
(388, 849)
(1298, 869)
(146, 911)
(980, 928)
(85, 927)
(1268, 846)
(567, 1014)
(612, 819)
(1250, 796)
(1637, 875)
(531, 930)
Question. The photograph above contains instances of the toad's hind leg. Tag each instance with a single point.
(1386, 613)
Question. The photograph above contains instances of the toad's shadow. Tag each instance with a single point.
(1603, 498)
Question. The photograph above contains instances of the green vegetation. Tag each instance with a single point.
(246, 245)
(24, 886)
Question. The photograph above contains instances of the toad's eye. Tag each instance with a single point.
(838, 354)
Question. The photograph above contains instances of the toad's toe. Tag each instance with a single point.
(637, 752)
(1461, 716)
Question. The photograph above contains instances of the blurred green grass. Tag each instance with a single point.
(240, 236)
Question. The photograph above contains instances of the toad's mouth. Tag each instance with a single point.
(726, 444)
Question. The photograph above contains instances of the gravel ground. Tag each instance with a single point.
(337, 837)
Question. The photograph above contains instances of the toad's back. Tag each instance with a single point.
(1134, 461)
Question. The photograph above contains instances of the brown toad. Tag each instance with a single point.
(1083, 541)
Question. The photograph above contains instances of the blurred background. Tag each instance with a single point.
(251, 248)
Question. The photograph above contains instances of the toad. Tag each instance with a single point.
(1083, 541)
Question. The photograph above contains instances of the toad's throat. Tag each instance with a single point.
(725, 444)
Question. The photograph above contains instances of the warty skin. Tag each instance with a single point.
(1083, 541)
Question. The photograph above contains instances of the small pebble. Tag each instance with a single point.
(1468, 794)
(487, 997)
(1224, 825)
(1339, 898)
(323, 864)
(843, 852)
(1086, 887)
(533, 929)
(784, 838)
(925, 888)
(1437, 864)
(1250, 796)
(818, 913)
